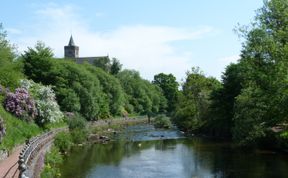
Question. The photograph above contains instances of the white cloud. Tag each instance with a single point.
(141, 47)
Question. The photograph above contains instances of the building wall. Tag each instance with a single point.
(71, 51)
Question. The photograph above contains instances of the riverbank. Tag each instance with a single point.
(145, 151)
(80, 135)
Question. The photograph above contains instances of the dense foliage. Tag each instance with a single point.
(251, 104)
(91, 91)
(162, 121)
(142, 96)
(47, 107)
(192, 110)
(169, 87)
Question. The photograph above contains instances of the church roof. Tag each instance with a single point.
(71, 42)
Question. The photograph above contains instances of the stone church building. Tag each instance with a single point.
(72, 52)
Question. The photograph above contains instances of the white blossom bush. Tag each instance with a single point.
(46, 104)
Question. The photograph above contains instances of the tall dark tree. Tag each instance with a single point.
(169, 86)
(223, 99)
(116, 66)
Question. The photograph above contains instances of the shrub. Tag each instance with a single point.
(76, 122)
(79, 135)
(77, 126)
(20, 104)
(47, 107)
(63, 141)
(52, 161)
(162, 121)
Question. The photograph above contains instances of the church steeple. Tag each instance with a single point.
(71, 41)
(71, 51)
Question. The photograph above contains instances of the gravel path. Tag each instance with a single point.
(9, 166)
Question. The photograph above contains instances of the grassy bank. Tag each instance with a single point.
(17, 131)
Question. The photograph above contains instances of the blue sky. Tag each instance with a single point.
(151, 36)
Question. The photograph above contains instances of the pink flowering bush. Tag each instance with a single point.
(20, 104)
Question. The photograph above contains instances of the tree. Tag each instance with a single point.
(116, 66)
(143, 97)
(223, 99)
(192, 111)
(38, 63)
(262, 102)
(169, 86)
(103, 63)
(10, 68)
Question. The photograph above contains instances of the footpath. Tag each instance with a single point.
(9, 166)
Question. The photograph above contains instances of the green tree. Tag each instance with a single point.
(103, 63)
(111, 86)
(72, 82)
(223, 100)
(192, 110)
(169, 86)
(262, 103)
(10, 68)
(37, 63)
(116, 66)
(143, 97)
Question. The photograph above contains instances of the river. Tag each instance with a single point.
(141, 151)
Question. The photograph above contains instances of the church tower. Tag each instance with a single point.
(71, 51)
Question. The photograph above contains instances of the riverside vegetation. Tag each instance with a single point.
(248, 106)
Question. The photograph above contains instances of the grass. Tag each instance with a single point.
(17, 131)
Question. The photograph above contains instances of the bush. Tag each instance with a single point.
(162, 121)
(63, 141)
(79, 135)
(77, 126)
(20, 104)
(52, 161)
(76, 122)
(47, 107)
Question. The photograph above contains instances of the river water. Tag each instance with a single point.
(142, 151)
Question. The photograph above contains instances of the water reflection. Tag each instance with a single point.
(169, 158)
